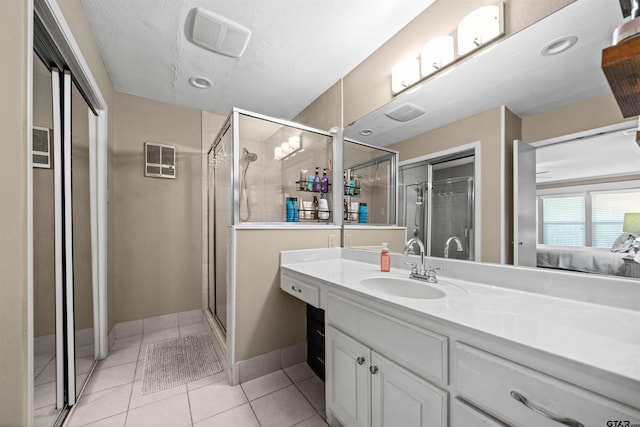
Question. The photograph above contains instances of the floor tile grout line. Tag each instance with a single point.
(105, 418)
(250, 405)
(189, 403)
(307, 399)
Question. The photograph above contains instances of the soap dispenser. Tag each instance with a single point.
(385, 258)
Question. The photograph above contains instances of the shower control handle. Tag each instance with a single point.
(296, 289)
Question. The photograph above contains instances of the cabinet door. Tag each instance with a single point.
(348, 384)
(400, 398)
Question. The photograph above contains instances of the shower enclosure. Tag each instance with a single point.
(257, 166)
(437, 203)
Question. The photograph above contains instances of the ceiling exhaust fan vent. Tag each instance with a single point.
(405, 112)
(217, 33)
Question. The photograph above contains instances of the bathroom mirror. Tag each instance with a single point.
(517, 72)
(369, 184)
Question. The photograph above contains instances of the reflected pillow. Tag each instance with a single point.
(623, 243)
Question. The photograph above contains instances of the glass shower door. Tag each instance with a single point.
(219, 221)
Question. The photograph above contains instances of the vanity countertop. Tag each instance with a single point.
(604, 337)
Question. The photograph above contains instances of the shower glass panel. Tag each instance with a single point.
(219, 171)
(437, 203)
(369, 180)
(272, 155)
(82, 266)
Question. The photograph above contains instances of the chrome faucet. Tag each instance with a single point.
(421, 274)
(408, 249)
(446, 245)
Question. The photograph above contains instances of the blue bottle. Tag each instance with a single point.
(289, 209)
(363, 214)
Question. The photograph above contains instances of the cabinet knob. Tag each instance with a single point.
(373, 369)
(360, 360)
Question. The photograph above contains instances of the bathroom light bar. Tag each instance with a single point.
(476, 29)
(287, 148)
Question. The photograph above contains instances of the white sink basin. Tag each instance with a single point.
(406, 288)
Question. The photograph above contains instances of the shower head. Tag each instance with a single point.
(249, 156)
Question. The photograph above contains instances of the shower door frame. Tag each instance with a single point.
(473, 147)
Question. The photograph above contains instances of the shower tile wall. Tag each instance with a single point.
(263, 182)
(270, 181)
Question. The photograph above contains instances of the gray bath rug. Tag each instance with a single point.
(172, 363)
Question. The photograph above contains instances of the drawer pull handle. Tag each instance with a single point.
(296, 289)
(373, 370)
(360, 360)
(320, 333)
(535, 408)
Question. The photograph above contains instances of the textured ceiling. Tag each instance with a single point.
(298, 49)
(611, 154)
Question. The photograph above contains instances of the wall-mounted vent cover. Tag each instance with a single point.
(405, 112)
(160, 160)
(217, 33)
(41, 148)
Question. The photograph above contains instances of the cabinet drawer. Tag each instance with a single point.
(422, 352)
(307, 293)
(463, 415)
(500, 387)
(315, 333)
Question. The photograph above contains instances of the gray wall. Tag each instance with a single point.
(156, 224)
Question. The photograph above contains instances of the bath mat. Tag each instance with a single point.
(172, 363)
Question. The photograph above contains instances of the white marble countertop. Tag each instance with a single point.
(600, 336)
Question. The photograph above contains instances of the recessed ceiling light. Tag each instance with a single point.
(200, 82)
(558, 45)
(366, 132)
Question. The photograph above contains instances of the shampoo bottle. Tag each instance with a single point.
(385, 258)
(316, 181)
(324, 182)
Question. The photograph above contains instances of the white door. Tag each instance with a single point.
(524, 204)
(399, 398)
(348, 382)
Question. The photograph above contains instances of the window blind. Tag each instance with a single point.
(564, 221)
(608, 211)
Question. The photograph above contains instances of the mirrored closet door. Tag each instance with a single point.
(64, 272)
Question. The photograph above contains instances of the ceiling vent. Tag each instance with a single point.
(217, 33)
(405, 112)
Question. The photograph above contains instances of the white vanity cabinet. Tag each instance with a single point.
(521, 396)
(448, 363)
(367, 389)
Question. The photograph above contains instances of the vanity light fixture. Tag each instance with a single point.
(200, 82)
(558, 45)
(404, 74)
(479, 27)
(287, 148)
(436, 54)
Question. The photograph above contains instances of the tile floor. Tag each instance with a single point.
(285, 398)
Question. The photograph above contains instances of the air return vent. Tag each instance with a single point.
(41, 148)
(217, 33)
(160, 160)
(405, 112)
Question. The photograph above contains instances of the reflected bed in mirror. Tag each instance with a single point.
(588, 202)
